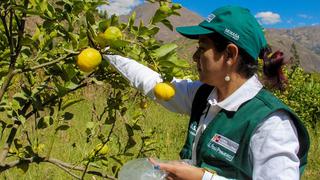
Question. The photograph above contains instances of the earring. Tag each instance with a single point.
(227, 78)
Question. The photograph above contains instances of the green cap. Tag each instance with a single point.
(236, 24)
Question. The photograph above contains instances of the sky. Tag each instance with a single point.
(270, 13)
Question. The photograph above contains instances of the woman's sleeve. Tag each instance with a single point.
(209, 176)
(144, 79)
(274, 147)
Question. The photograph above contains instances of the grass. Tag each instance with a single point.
(170, 130)
(71, 145)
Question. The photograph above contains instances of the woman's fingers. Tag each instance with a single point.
(170, 168)
(171, 176)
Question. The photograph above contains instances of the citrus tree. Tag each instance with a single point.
(303, 96)
(59, 53)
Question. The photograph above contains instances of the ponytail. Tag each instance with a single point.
(272, 68)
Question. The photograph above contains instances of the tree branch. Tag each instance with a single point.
(67, 167)
(53, 98)
(6, 83)
(105, 142)
(78, 168)
(6, 29)
(15, 163)
(44, 64)
(67, 171)
(13, 54)
(9, 141)
(21, 28)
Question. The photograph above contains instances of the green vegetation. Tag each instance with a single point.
(41, 80)
(58, 122)
(168, 129)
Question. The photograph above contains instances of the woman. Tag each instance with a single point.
(237, 129)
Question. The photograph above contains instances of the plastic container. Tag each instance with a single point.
(141, 169)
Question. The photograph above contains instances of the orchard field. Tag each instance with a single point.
(65, 117)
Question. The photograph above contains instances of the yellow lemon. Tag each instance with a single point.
(102, 149)
(143, 104)
(101, 40)
(89, 59)
(112, 33)
(164, 91)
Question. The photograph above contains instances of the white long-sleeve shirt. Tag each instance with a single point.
(274, 145)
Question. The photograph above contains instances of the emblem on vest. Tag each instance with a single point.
(193, 128)
(223, 146)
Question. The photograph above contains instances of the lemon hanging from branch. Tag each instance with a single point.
(112, 36)
(88, 59)
(164, 91)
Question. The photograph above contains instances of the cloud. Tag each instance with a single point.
(314, 24)
(119, 7)
(290, 21)
(268, 17)
(304, 16)
(301, 24)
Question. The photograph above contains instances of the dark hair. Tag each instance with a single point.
(272, 68)
(248, 66)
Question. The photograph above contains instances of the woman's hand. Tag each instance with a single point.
(179, 170)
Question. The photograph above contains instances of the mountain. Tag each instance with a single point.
(306, 47)
(306, 40)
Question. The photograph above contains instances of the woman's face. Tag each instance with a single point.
(210, 63)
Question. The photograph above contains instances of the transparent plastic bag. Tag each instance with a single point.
(141, 169)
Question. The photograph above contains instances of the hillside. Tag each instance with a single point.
(306, 39)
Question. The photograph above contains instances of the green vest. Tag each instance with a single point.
(224, 145)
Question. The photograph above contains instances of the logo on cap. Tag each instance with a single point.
(232, 34)
(210, 17)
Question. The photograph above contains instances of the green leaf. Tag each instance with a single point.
(110, 120)
(164, 50)
(132, 19)
(129, 130)
(36, 34)
(167, 23)
(90, 125)
(131, 143)
(43, 5)
(22, 119)
(21, 98)
(27, 41)
(144, 31)
(103, 25)
(70, 103)
(3, 126)
(100, 83)
(42, 123)
(114, 20)
(24, 166)
(172, 60)
(70, 85)
(74, 39)
(90, 18)
(137, 127)
(67, 116)
(70, 71)
(61, 90)
(158, 17)
(62, 127)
